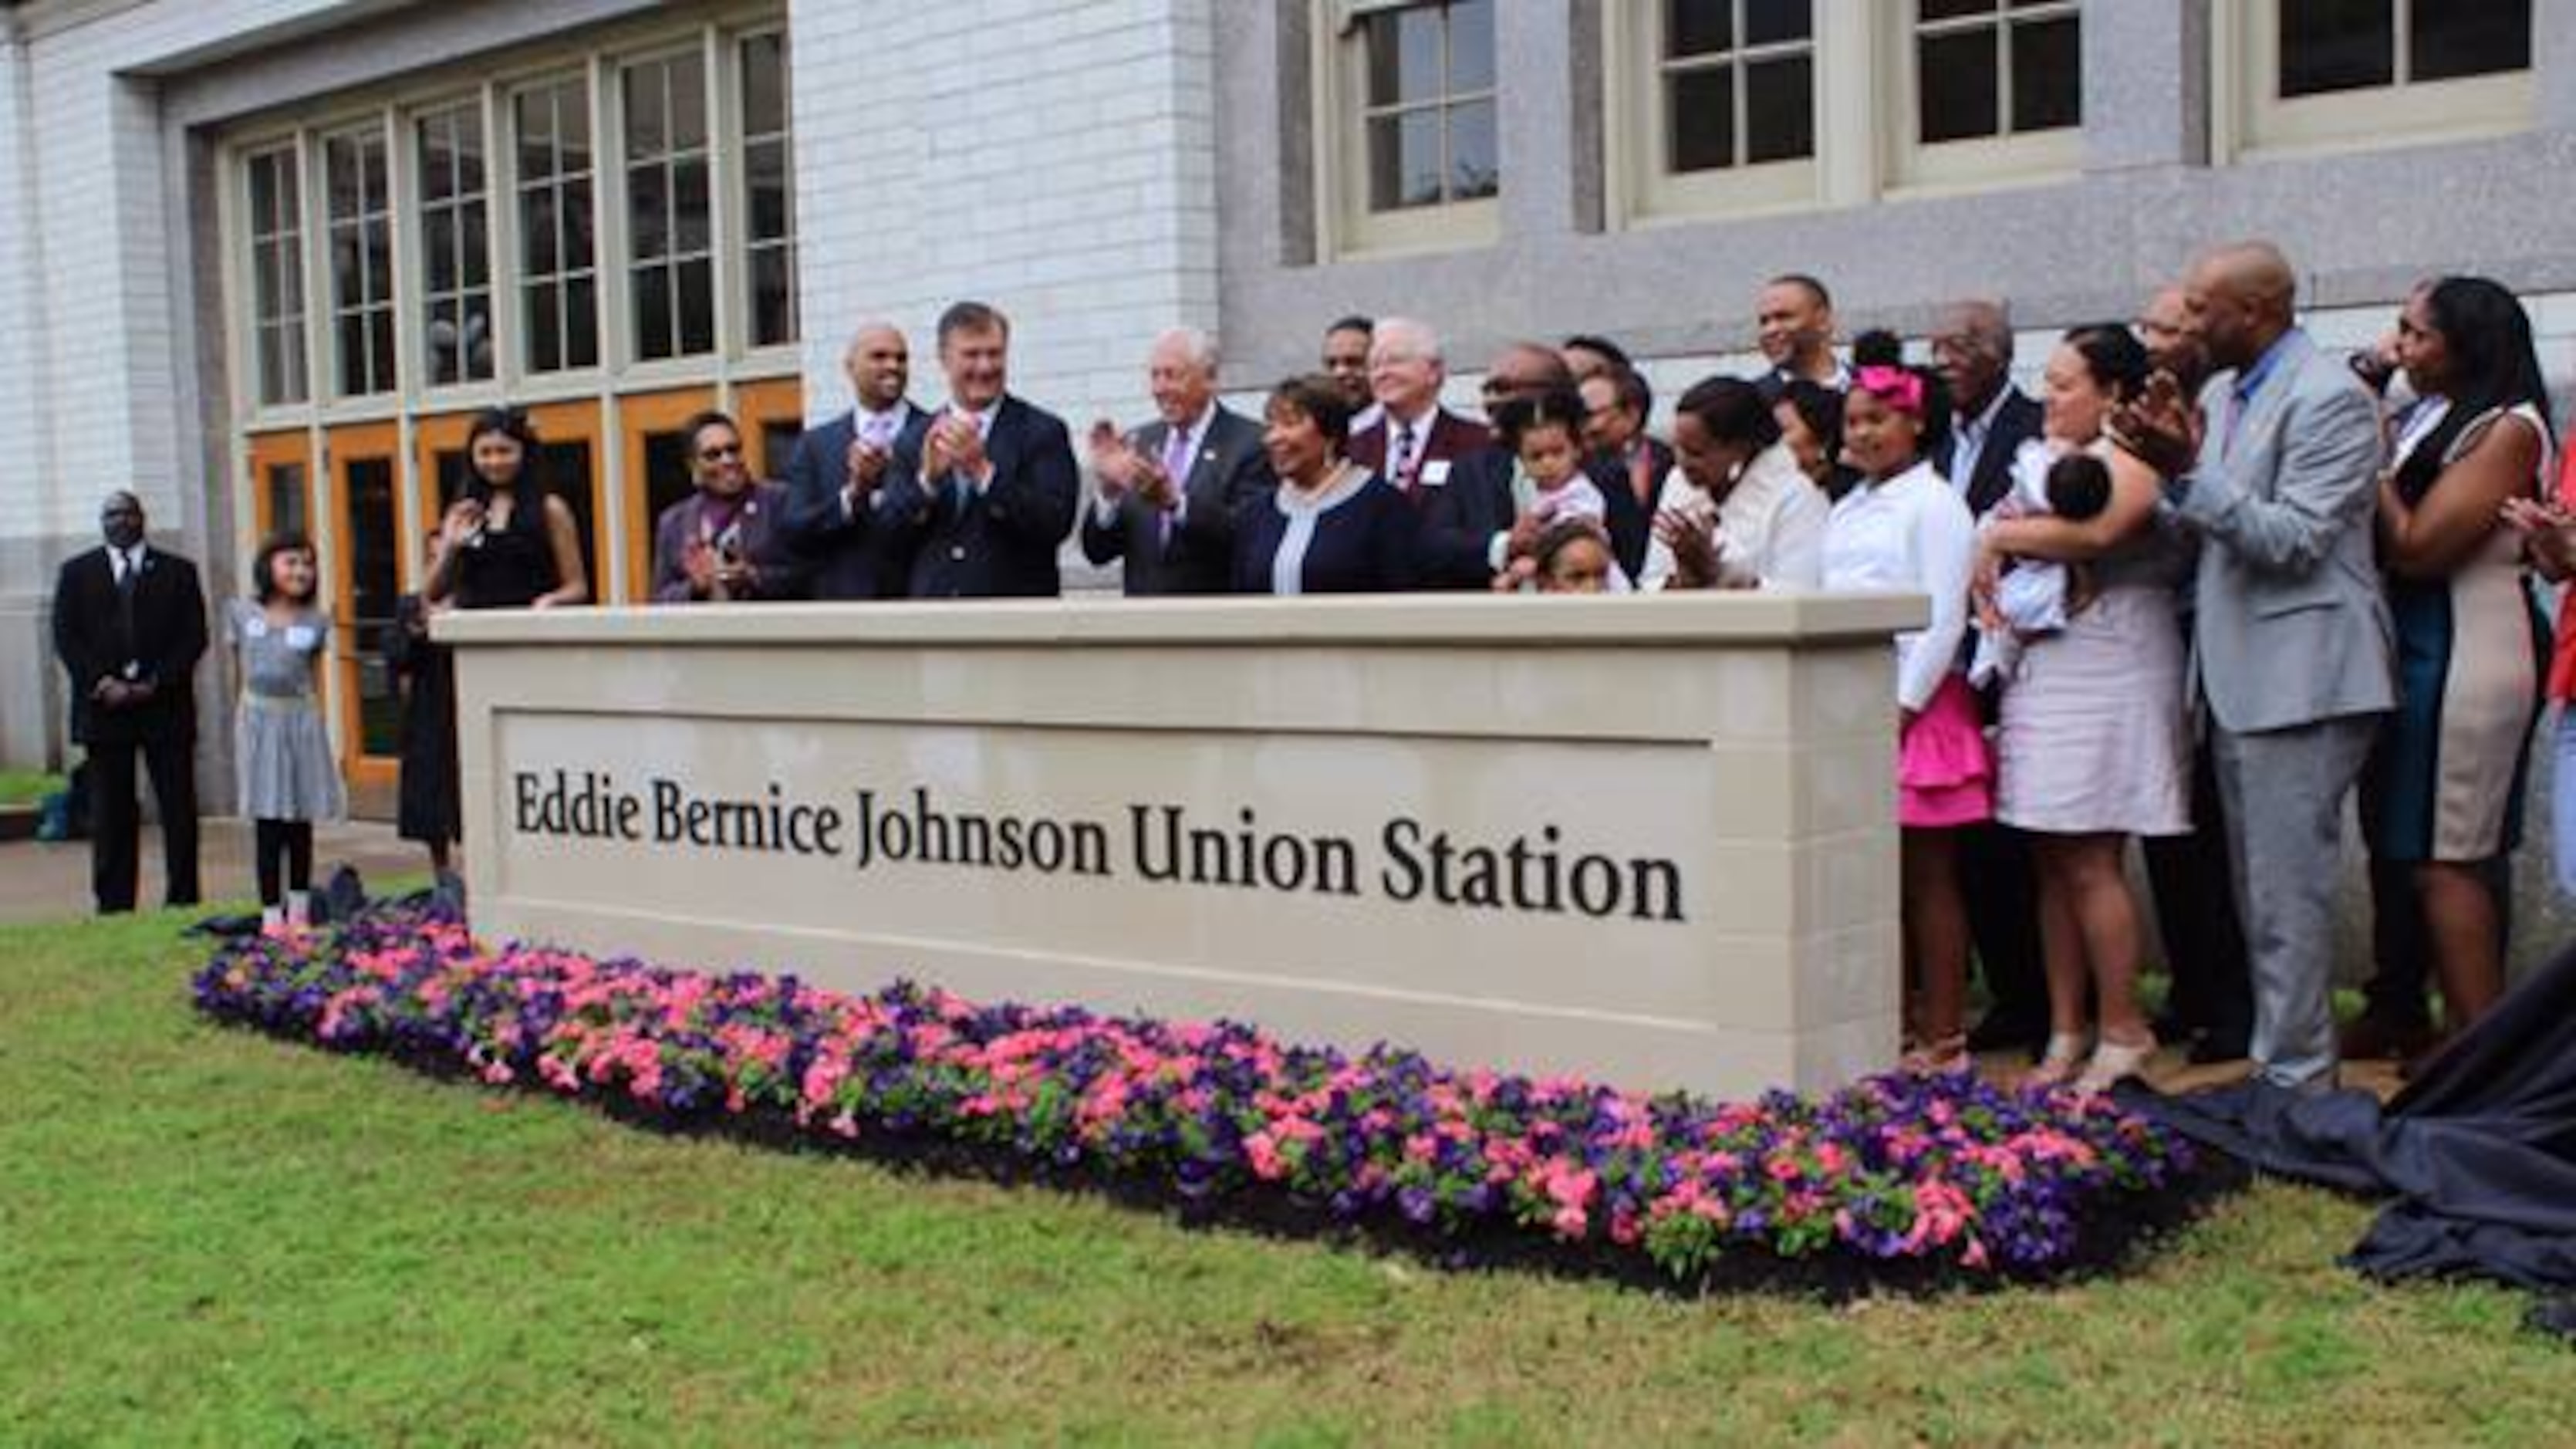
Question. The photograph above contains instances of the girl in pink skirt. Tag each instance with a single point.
(1905, 529)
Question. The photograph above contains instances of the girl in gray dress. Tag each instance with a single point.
(289, 778)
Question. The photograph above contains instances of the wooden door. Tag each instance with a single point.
(772, 414)
(657, 470)
(567, 464)
(281, 484)
(373, 560)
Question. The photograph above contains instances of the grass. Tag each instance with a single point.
(209, 1237)
(26, 787)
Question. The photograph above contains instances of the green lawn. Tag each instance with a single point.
(209, 1237)
(25, 787)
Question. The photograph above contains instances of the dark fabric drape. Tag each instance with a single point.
(2477, 1155)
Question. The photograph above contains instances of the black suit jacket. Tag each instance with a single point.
(1001, 543)
(2017, 421)
(158, 641)
(1631, 520)
(843, 556)
(1460, 521)
(1229, 470)
(1451, 438)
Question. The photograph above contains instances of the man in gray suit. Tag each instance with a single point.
(2278, 476)
(1168, 492)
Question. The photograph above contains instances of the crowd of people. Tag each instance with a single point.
(2213, 581)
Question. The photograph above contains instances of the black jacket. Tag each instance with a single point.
(156, 637)
(1000, 541)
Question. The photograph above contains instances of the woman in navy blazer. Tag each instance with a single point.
(1332, 527)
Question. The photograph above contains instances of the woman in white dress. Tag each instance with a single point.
(2094, 745)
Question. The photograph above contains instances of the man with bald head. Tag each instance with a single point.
(129, 628)
(1415, 441)
(835, 517)
(1168, 492)
(2277, 474)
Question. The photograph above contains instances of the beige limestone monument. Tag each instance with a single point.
(1648, 840)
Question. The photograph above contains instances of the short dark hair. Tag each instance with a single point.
(971, 316)
(1815, 288)
(1319, 398)
(1635, 393)
(700, 422)
(1556, 407)
(1564, 533)
(1733, 411)
(263, 569)
(2079, 487)
(1877, 347)
(1352, 323)
(1591, 342)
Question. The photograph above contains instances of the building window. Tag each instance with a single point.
(558, 244)
(670, 219)
(275, 228)
(456, 246)
(1411, 94)
(1983, 70)
(1738, 83)
(1723, 106)
(360, 214)
(2342, 71)
(769, 192)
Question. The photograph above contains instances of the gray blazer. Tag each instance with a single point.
(2291, 625)
(1230, 470)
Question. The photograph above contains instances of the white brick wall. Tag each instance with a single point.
(1079, 196)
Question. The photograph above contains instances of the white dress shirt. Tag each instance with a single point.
(1770, 529)
(1908, 534)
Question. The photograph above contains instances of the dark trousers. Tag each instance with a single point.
(116, 821)
(2401, 948)
(2001, 884)
(2197, 917)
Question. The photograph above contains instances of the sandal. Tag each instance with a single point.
(2113, 1063)
(1940, 1057)
(2060, 1064)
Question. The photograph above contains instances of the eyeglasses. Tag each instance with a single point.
(721, 450)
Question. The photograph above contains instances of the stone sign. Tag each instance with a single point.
(1649, 840)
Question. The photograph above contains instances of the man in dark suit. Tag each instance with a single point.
(982, 494)
(1415, 441)
(129, 627)
(1472, 522)
(834, 515)
(1616, 405)
(1169, 490)
(1972, 351)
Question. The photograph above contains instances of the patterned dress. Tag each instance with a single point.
(287, 768)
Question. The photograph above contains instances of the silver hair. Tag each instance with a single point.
(1198, 346)
(1425, 342)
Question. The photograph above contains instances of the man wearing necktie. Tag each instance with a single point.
(979, 498)
(129, 627)
(1168, 493)
(834, 517)
(1415, 440)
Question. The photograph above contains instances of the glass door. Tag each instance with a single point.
(369, 569)
(567, 464)
(657, 471)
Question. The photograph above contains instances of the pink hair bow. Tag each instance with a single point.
(1894, 386)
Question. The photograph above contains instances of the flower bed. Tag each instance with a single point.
(1909, 1179)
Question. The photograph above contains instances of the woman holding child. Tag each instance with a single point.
(2093, 746)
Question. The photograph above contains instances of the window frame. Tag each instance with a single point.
(414, 222)
(395, 304)
(517, 362)
(1646, 188)
(720, 163)
(1347, 227)
(739, 140)
(1917, 167)
(2250, 122)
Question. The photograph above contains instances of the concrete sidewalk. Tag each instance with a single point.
(50, 882)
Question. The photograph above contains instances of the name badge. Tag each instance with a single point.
(302, 636)
(254, 627)
(1435, 473)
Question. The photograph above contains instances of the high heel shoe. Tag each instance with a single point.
(1939, 1057)
(2060, 1064)
(2114, 1062)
